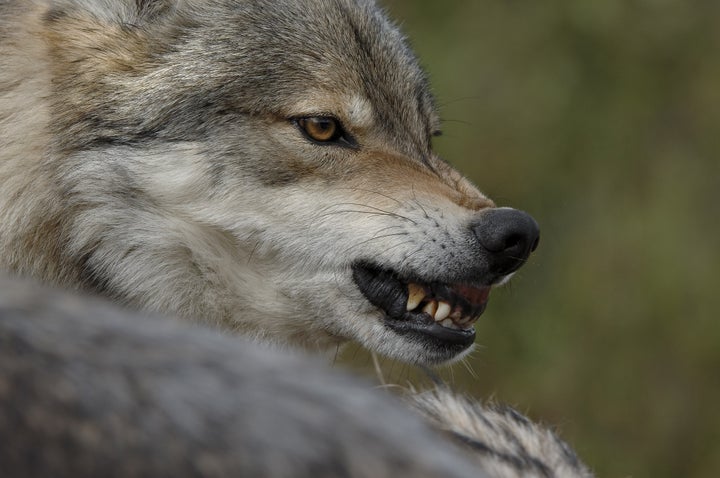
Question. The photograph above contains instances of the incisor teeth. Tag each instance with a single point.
(449, 324)
(416, 294)
(466, 320)
(443, 311)
(430, 308)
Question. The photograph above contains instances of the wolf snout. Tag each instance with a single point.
(508, 236)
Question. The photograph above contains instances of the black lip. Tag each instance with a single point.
(387, 291)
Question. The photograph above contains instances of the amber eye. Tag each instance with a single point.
(322, 129)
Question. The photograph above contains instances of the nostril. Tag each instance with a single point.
(512, 241)
(535, 244)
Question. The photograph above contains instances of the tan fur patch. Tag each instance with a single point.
(384, 171)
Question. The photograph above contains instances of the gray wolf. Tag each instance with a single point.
(87, 389)
(265, 166)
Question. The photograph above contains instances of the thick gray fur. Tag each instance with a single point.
(87, 390)
(502, 440)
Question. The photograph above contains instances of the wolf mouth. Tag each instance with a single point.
(427, 310)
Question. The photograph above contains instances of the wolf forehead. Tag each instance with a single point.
(224, 57)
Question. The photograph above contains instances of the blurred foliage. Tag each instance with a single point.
(602, 119)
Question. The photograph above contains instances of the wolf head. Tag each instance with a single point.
(267, 165)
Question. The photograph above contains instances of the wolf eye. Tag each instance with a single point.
(323, 129)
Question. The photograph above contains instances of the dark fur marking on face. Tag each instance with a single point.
(292, 172)
(216, 172)
(54, 14)
(90, 278)
(125, 187)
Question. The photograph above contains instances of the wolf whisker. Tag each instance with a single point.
(335, 356)
(405, 260)
(374, 238)
(389, 213)
(468, 366)
(417, 201)
(374, 192)
(378, 369)
(252, 253)
(398, 245)
(395, 226)
(369, 213)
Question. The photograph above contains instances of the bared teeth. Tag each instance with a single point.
(416, 294)
(466, 320)
(456, 314)
(420, 300)
(430, 308)
(443, 310)
(449, 324)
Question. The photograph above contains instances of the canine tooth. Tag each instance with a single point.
(416, 294)
(430, 308)
(449, 324)
(443, 311)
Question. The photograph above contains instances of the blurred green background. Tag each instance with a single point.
(602, 119)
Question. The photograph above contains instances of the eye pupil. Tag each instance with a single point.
(323, 125)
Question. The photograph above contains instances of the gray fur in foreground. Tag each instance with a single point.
(89, 391)
(504, 441)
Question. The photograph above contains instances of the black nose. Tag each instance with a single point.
(508, 236)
